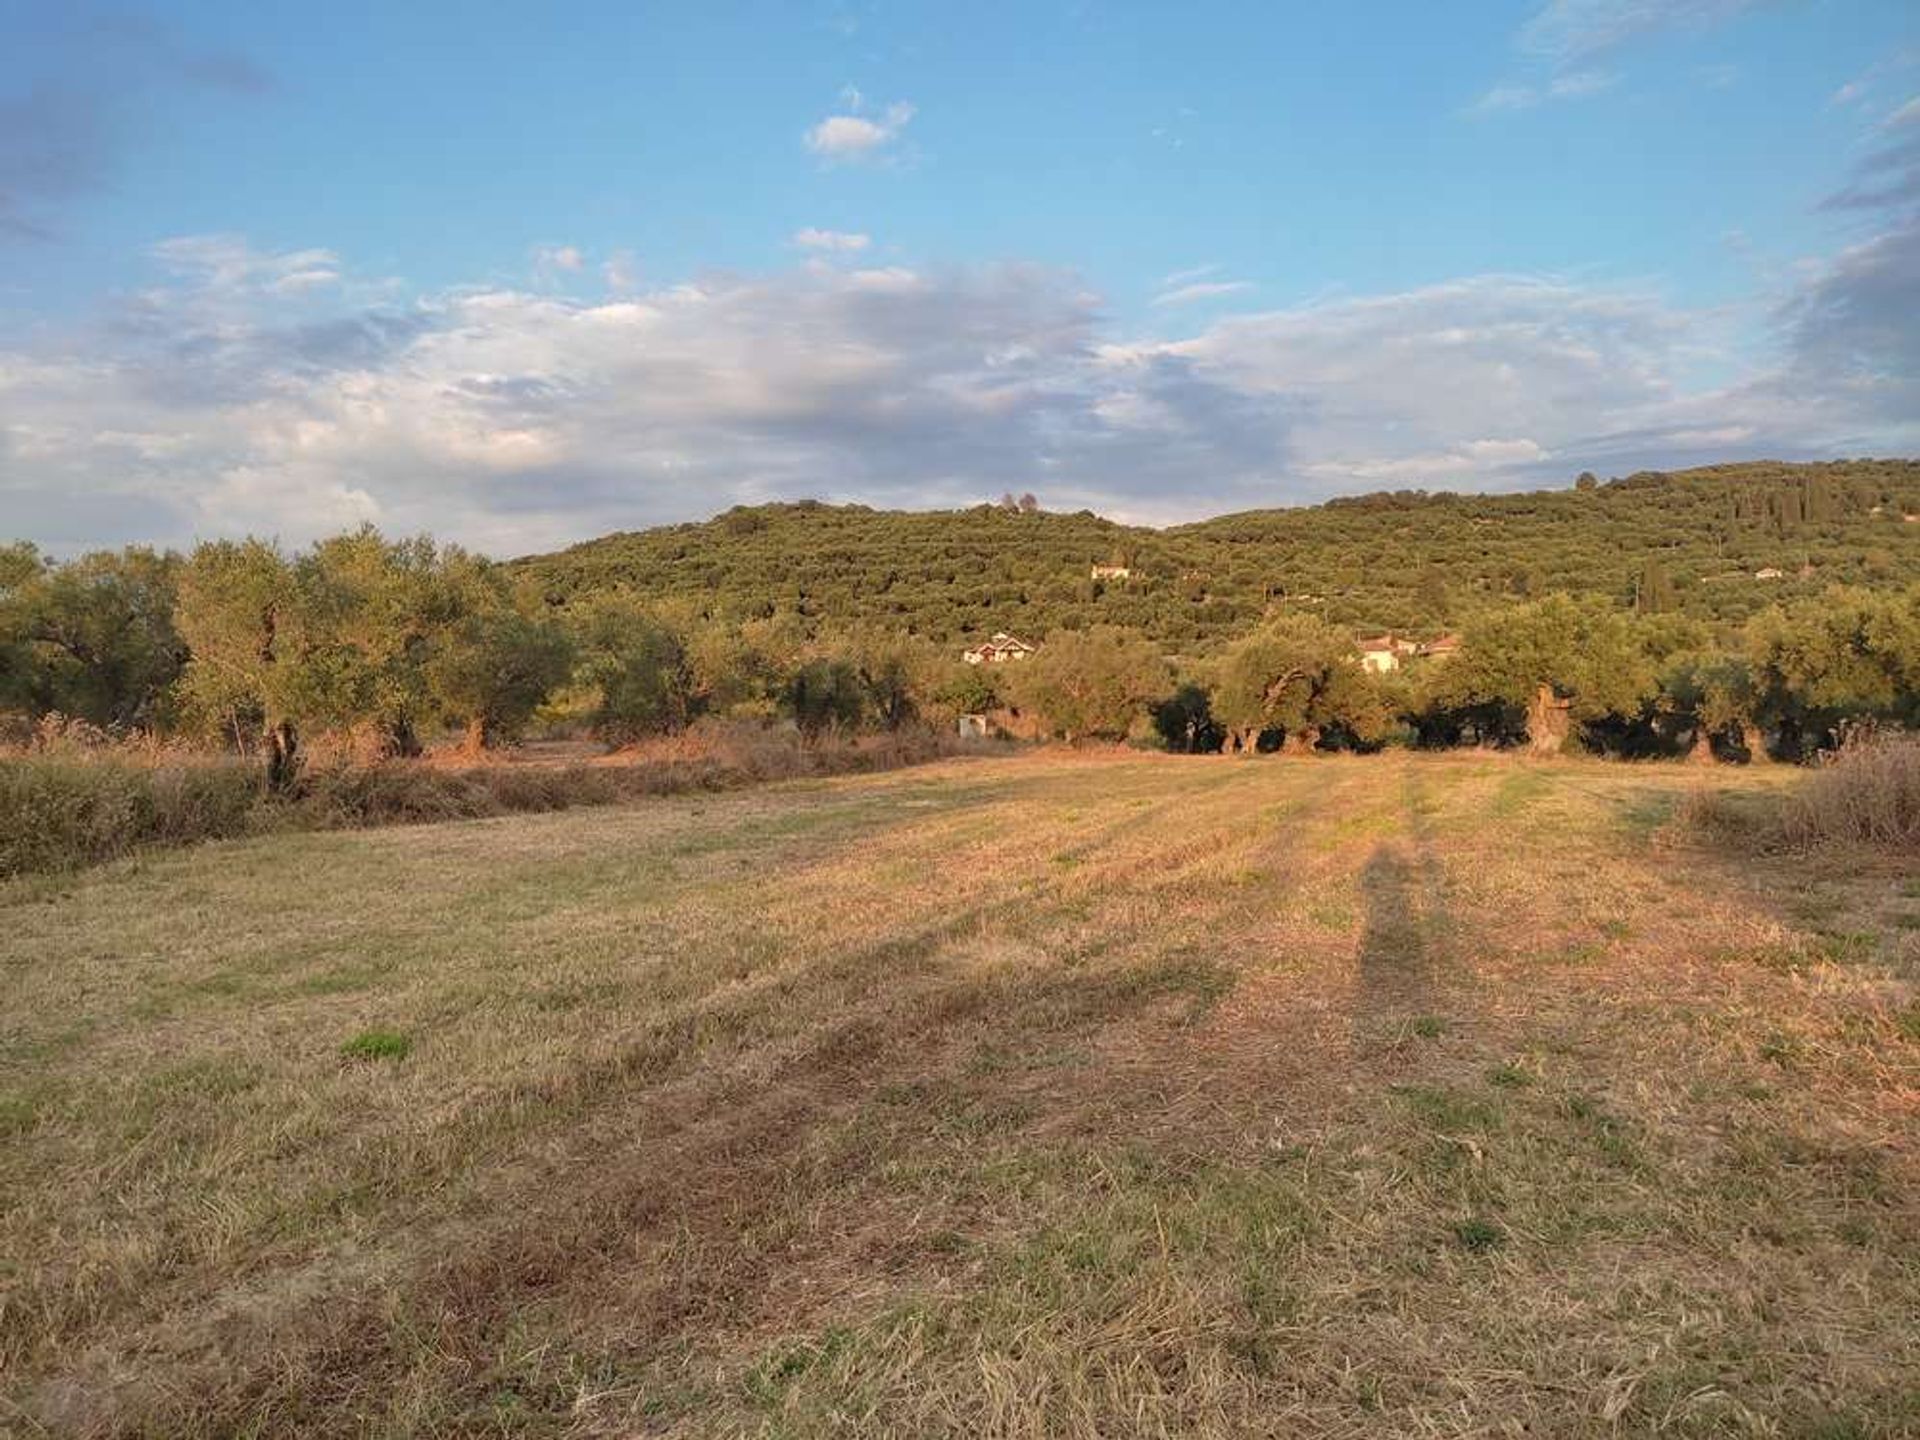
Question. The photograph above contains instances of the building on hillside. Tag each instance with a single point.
(1113, 572)
(1384, 653)
(1772, 572)
(1441, 649)
(973, 727)
(1001, 649)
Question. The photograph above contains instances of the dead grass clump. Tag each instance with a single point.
(1868, 792)
(1865, 793)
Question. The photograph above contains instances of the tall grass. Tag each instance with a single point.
(1867, 792)
(68, 801)
(60, 811)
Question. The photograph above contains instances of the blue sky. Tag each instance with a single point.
(520, 275)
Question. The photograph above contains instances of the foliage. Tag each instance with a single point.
(1185, 721)
(1530, 669)
(93, 638)
(1299, 675)
(1627, 616)
(1092, 684)
(63, 810)
(493, 670)
(825, 695)
(1853, 655)
(1408, 561)
(639, 669)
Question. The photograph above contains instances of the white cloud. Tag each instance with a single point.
(1569, 30)
(226, 264)
(839, 242)
(1580, 85)
(514, 420)
(1559, 44)
(1189, 275)
(621, 272)
(859, 135)
(553, 262)
(1201, 290)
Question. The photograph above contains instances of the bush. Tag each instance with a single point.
(65, 806)
(60, 811)
(1867, 791)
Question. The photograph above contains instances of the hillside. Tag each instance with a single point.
(1409, 560)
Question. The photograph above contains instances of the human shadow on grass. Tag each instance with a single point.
(1407, 941)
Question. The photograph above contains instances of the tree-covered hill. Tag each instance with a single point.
(1694, 542)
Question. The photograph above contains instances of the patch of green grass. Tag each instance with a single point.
(1478, 1235)
(1610, 1133)
(1648, 811)
(18, 1114)
(1907, 1021)
(768, 1381)
(377, 1045)
(1331, 914)
(1509, 1077)
(1448, 1110)
(1848, 947)
(1202, 981)
(1428, 1027)
(341, 980)
(1782, 1049)
(205, 1078)
(1519, 790)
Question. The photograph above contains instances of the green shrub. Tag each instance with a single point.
(58, 812)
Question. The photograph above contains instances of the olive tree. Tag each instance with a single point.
(1541, 668)
(1299, 675)
(1091, 684)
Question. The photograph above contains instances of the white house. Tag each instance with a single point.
(1000, 650)
(1384, 653)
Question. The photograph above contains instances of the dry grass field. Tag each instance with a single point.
(1082, 1096)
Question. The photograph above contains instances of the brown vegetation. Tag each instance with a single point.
(68, 798)
(1865, 793)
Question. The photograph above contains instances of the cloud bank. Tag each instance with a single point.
(281, 394)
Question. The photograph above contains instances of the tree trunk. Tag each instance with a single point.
(1755, 741)
(1702, 751)
(283, 756)
(474, 742)
(1301, 741)
(402, 739)
(1548, 722)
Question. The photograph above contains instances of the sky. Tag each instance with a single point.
(521, 275)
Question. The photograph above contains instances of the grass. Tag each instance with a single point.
(73, 805)
(377, 1045)
(846, 1108)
